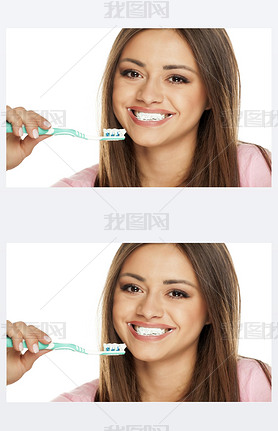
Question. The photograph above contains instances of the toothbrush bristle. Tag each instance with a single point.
(114, 133)
(114, 347)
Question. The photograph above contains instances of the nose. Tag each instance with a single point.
(150, 307)
(150, 91)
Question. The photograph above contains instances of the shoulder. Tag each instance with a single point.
(253, 383)
(84, 393)
(84, 178)
(253, 169)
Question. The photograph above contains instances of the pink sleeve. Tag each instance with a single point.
(253, 169)
(84, 178)
(253, 383)
(84, 393)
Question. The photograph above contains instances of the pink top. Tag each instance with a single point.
(253, 171)
(253, 385)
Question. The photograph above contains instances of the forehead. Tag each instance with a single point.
(159, 45)
(159, 261)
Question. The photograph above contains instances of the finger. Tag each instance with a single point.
(29, 358)
(32, 121)
(41, 335)
(29, 336)
(32, 336)
(41, 121)
(16, 121)
(16, 335)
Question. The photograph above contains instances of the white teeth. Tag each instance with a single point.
(152, 116)
(149, 331)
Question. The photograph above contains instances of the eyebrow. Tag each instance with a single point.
(167, 282)
(167, 67)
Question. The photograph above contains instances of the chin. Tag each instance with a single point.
(147, 143)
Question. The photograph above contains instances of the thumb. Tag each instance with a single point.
(29, 358)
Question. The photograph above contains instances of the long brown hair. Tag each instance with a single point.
(215, 159)
(215, 374)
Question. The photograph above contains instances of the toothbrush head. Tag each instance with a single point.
(113, 135)
(113, 349)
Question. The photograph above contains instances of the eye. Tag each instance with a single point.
(131, 288)
(178, 294)
(130, 73)
(177, 79)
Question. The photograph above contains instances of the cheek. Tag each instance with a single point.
(194, 101)
(116, 308)
(118, 102)
(119, 309)
(193, 316)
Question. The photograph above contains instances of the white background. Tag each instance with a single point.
(61, 69)
(71, 277)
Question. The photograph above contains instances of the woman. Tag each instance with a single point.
(176, 307)
(177, 93)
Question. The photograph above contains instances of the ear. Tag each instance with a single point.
(207, 322)
(207, 105)
(207, 108)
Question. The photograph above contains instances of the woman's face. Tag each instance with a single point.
(158, 309)
(158, 94)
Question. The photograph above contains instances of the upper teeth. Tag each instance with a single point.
(149, 331)
(150, 116)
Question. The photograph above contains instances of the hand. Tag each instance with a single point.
(18, 149)
(17, 363)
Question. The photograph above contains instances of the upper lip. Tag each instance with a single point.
(151, 325)
(150, 111)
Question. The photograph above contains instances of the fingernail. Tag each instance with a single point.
(35, 133)
(20, 132)
(20, 346)
(47, 338)
(35, 348)
(47, 124)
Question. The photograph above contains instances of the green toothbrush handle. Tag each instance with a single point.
(9, 129)
(10, 344)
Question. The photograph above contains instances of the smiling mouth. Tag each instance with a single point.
(141, 330)
(149, 116)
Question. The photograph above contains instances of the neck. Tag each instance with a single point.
(165, 166)
(166, 381)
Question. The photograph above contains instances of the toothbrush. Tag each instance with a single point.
(109, 349)
(109, 134)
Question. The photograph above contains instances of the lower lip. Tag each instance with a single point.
(148, 337)
(148, 123)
